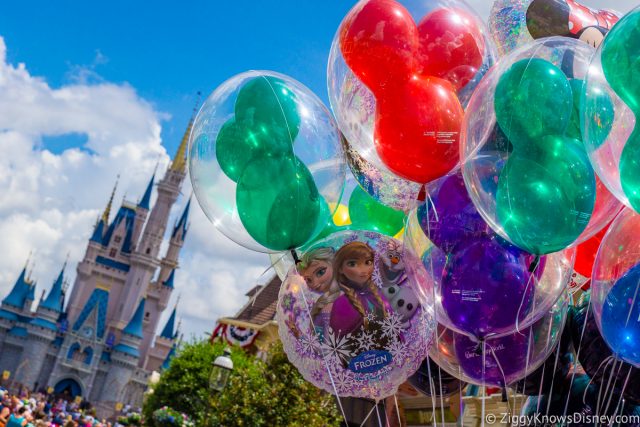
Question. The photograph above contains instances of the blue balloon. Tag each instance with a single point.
(621, 317)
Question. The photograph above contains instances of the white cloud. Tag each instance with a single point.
(49, 202)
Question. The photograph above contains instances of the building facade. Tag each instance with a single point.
(104, 341)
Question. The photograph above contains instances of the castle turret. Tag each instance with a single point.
(170, 261)
(142, 211)
(16, 300)
(164, 343)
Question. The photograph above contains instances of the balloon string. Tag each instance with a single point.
(367, 417)
(432, 387)
(441, 395)
(602, 391)
(484, 385)
(575, 362)
(544, 367)
(504, 377)
(294, 254)
(555, 366)
(620, 403)
(534, 265)
(461, 404)
(378, 414)
(613, 386)
(605, 363)
(395, 398)
(324, 359)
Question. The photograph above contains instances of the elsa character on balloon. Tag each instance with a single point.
(316, 267)
(361, 307)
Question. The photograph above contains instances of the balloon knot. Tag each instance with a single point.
(294, 254)
(534, 264)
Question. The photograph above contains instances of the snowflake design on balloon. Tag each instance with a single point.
(399, 352)
(365, 340)
(309, 345)
(343, 381)
(337, 346)
(288, 302)
(392, 325)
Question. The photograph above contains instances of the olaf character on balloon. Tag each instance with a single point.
(392, 279)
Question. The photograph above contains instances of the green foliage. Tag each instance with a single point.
(259, 393)
(131, 420)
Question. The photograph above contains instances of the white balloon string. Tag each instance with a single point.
(555, 366)
(620, 403)
(441, 395)
(322, 353)
(432, 387)
(575, 362)
(378, 414)
(461, 403)
(524, 294)
(484, 384)
(544, 366)
(504, 377)
(395, 398)
(605, 363)
(367, 417)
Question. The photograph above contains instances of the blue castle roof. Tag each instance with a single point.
(169, 282)
(124, 214)
(99, 300)
(169, 329)
(54, 299)
(98, 232)
(167, 360)
(182, 223)
(146, 198)
(135, 324)
(127, 349)
(20, 291)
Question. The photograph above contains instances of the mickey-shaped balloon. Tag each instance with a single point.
(413, 71)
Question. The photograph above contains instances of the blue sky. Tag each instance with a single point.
(169, 50)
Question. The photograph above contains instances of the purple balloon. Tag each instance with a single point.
(504, 359)
(452, 219)
(487, 288)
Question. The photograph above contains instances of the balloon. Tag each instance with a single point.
(486, 288)
(430, 380)
(537, 189)
(514, 23)
(349, 319)
(368, 214)
(614, 286)
(411, 72)
(611, 76)
(504, 359)
(586, 253)
(484, 285)
(278, 202)
(595, 355)
(341, 214)
(265, 161)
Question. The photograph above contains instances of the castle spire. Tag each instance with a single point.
(135, 324)
(182, 223)
(19, 291)
(146, 198)
(169, 329)
(179, 162)
(107, 210)
(55, 298)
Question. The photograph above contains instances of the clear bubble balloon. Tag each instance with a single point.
(384, 90)
(614, 287)
(610, 111)
(524, 162)
(505, 359)
(349, 319)
(266, 161)
(484, 286)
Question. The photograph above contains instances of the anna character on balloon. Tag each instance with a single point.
(361, 306)
(316, 266)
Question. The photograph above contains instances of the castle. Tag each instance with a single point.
(102, 344)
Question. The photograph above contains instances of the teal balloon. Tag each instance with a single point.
(545, 201)
(278, 202)
(367, 213)
(267, 102)
(532, 99)
(238, 144)
(621, 67)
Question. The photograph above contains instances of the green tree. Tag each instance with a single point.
(270, 393)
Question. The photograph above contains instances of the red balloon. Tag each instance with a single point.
(586, 253)
(451, 46)
(379, 43)
(417, 128)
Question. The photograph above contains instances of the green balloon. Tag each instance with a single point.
(367, 213)
(237, 145)
(545, 201)
(621, 67)
(268, 102)
(532, 99)
(278, 202)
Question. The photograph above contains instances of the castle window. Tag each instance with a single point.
(146, 315)
(117, 239)
(148, 251)
(112, 252)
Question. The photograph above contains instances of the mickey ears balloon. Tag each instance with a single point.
(409, 77)
(265, 161)
(514, 23)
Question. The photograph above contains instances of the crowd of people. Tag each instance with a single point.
(45, 410)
